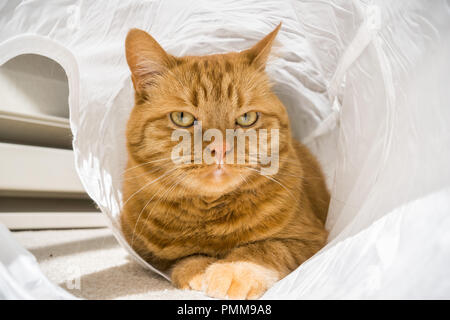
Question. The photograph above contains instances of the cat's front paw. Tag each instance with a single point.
(237, 280)
(189, 272)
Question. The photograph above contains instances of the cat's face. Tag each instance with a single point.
(226, 91)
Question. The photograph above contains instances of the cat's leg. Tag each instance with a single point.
(188, 273)
(248, 271)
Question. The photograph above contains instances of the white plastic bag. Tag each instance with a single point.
(366, 87)
(20, 276)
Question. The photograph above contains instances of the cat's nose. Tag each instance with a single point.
(219, 151)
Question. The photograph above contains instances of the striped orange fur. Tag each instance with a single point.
(232, 236)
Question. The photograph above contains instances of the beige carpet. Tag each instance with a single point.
(90, 264)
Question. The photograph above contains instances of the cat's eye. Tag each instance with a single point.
(182, 119)
(247, 119)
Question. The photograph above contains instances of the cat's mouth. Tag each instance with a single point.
(217, 173)
(217, 178)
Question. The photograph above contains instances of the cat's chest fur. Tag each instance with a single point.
(177, 228)
(217, 225)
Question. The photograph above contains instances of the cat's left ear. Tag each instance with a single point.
(259, 53)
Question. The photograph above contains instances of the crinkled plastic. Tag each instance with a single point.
(366, 87)
(20, 276)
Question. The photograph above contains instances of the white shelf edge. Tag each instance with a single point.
(38, 169)
(40, 119)
(52, 220)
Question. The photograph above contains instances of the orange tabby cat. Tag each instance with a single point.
(225, 229)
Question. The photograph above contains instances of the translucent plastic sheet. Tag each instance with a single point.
(20, 277)
(366, 87)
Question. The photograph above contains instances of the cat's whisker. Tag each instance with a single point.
(139, 216)
(153, 170)
(243, 178)
(168, 190)
(148, 184)
(146, 163)
(147, 172)
(148, 202)
(280, 172)
(181, 192)
(274, 180)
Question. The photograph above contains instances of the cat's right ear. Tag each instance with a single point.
(259, 53)
(146, 58)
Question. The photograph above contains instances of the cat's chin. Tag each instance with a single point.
(217, 180)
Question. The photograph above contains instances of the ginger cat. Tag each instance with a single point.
(224, 229)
